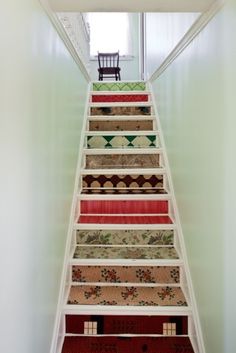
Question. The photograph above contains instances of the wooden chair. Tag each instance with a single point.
(108, 66)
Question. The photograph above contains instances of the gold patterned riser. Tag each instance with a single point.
(123, 181)
(111, 161)
(118, 125)
(119, 295)
(127, 253)
(109, 111)
(126, 274)
(125, 237)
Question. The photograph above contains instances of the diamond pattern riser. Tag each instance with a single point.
(121, 141)
(119, 86)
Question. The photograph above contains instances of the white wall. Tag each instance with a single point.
(163, 32)
(129, 67)
(42, 98)
(196, 100)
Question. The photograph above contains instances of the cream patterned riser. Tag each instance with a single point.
(121, 125)
(111, 161)
(111, 111)
(126, 274)
(125, 237)
(125, 141)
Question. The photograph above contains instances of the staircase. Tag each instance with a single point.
(126, 286)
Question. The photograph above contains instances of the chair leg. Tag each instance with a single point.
(119, 76)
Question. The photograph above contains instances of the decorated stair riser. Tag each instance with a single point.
(124, 207)
(119, 161)
(119, 86)
(110, 98)
(120, 125)
(126, 295)
(126, 274)
(143, 110)
(126, 345)
(123, 181)
(144, 325)
(125, 253)
(125, 141)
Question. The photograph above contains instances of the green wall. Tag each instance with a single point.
(196, 101)
(42, 98)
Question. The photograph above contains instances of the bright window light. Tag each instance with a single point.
(109, 32)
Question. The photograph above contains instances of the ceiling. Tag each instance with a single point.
(130, 5)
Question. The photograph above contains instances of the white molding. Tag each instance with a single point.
(194, 30)
(69, 235)
(65, 38)
(196, 319)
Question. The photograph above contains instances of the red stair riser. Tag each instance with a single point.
(126, 345)
(124, 207)
(125, 220)
(126, 324)
(120, 98)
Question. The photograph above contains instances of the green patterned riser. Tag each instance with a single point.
(126, 274)
(126, 253)
(125, 237)
(119, 86)
(122, 141)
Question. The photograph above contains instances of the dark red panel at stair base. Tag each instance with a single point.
(120, 98)
(112, 324)
(127, 345)
(125, 219)
(124, 207)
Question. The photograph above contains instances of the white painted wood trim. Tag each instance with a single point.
(65, 38)
(124, 310)
(54, 345)
(123, 171)
(128, 262)
(91, 226)
(201, 348)
(194, 30)
(126, 197)
(120, 117)
(121, 133)
(106, 151)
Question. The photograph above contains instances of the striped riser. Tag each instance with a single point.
(126, 274)
(110, 98)
(91, 344)
(112, 207)
(125, 237)
(107, 111)
(120, 161)
(121, 125)
(123, 181)
(125, 141)
(121, 324)
(119, 86)
(126, 295)
(129, 220)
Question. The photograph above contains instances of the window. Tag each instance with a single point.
(169, 329)
(109, 32)
(90, 327)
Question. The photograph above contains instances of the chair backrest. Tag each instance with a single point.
(108, 60)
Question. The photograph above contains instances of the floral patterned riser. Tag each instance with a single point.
(125, 274)
(118, 125)
(114, 295)
(105, 141)
(101, 344)
(111, 161)
(119, 86)
(102, 252)
(124, 191)
(107, 111)
(123, 181)
(125, 237)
